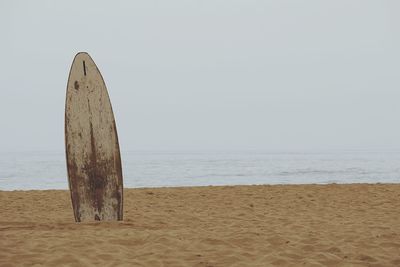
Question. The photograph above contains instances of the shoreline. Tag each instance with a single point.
(206, 186)
(251, 225)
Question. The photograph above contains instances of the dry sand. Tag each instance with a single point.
(301, 225)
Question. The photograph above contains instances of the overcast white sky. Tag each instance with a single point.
(208, 74)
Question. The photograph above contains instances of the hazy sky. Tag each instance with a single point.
(208, 74)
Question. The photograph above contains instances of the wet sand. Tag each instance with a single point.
(290, 225)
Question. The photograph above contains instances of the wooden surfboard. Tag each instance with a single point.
(91, 142)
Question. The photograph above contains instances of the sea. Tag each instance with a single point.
(47, 169)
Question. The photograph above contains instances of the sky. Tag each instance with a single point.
(208, 75)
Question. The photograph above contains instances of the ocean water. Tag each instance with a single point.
(47, 170)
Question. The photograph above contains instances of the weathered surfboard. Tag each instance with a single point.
(91, 142)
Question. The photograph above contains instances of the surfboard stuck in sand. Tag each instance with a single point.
(91, 142)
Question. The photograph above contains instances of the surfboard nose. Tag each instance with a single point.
(81, 63)
(82, 53)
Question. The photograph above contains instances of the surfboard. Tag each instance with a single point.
(91, 143)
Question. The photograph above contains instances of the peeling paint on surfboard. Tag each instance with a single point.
(91, 142)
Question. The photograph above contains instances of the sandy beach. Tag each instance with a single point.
(280, 225)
